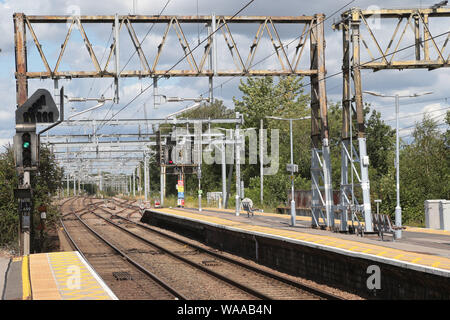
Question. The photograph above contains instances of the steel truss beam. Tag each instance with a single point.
(353, 25)
(197, 67)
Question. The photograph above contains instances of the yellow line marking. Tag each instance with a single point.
(26, 285)
(436, 264)
(345, 244)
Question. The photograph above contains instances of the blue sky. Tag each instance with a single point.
(388, 82)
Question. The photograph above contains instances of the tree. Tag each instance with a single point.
(285, 98)
(381, 142)
(424, 170)
(45, 182)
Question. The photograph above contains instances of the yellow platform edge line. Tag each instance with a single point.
(347, 243)
(336, 221)
(26, 284)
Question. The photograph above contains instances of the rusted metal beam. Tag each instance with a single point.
(137, 45)
(397, 13)
(20, 44)
(38, 46)
(167, 19)
(195, 69)
(410, 64)
(88, 46)
(414, 18)
(171, 73)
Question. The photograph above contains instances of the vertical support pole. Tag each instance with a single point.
(214, 44)
(26, 234)
(398, 208)
(224, 174)
(293, 213)
(134, 182)
(68, 186)
(162, 185)
(261, 161)
(199, 175)
(199, 158)
(365, 186)
(319, 112)
(146, 178)
(426, 38)
(346, 123)
(140, 180)
(74, 184)
(211, 28)
(117, 58)
(238, 168)
(21, 97)
(21, 58)
(417, 37)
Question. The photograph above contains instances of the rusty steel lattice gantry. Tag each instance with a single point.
(313, 28)
(352, 25)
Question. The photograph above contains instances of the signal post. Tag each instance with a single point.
(39, 108)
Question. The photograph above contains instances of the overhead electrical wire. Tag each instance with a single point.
(177, 63)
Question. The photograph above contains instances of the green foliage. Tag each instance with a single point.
(424, 169)
(381, 142)
(8, 206)
(286, 98)
(45, 183)
(209, 111)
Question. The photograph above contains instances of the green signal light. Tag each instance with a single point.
(26, 144)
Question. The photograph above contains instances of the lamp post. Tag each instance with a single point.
(291, 168)
(398, 208)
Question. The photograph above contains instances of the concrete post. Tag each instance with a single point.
(238, 169)
(224, 175)
(146, 177)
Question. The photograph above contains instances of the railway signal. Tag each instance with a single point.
(39, 108)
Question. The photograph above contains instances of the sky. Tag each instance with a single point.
(51, 37)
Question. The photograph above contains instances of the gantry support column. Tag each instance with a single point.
(21, 98)
(364, 163)
(146, 178)
(238, 168)
(319, 128)
(134, 182)
(163, 185)
(224, 173)
(345, 188)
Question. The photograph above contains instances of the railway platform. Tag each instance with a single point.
(337, 257)
(52, 276)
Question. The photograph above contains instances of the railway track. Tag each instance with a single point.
(255, 281)
(126, 277)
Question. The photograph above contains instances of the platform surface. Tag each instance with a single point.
(425, 250)
(55, 276)
(4, 263)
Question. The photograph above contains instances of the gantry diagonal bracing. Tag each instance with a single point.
(242, 56)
